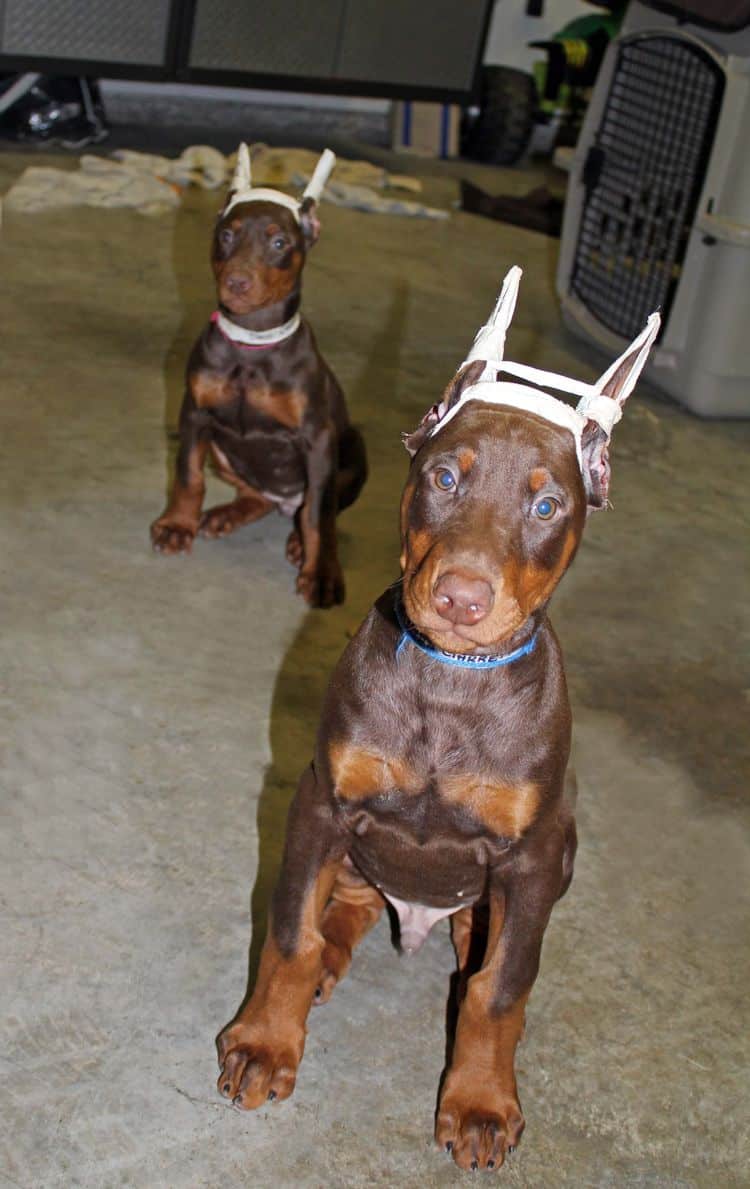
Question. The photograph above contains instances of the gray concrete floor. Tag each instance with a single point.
(157, 712)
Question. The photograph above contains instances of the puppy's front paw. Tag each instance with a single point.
(324, 587)
(221, 520)
(295, 553)
(479, 1128)
(172, 536)
(256, 1066)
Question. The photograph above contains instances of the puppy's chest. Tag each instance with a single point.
(455, 793)
(249, 401)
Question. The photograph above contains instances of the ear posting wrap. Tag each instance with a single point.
(242, 189)
(594, 404)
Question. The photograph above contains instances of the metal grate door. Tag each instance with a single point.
(643, 176)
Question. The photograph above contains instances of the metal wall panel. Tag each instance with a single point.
(127, 31)
(422, 42)
(287, 37)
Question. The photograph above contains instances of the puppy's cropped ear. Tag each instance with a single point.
(241, 178)
(313, 191)
(604, 410)
(464, 379)
(309, 221)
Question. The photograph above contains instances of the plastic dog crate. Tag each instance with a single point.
(658, 206)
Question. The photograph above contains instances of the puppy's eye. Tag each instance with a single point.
(444, 480)
(546, 507)
(279, 243)
(226, 235)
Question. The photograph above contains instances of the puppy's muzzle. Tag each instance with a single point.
(462, 598)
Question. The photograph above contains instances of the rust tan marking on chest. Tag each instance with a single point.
(358, 773)
(209, 390)
(506, 810)
(288, 408)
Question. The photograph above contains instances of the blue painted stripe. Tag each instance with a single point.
(406, 124)
(445, 113)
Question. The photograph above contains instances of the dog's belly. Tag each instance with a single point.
(424, 882)
(271, 466)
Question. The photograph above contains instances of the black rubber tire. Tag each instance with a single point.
(501, 132)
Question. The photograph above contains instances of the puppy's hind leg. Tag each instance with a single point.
(351, 912)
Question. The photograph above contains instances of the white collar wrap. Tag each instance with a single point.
(594, 403)
(256, 338)
(242, 190)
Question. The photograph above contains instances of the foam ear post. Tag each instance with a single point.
(620, 378)
(489, 342)
(321, 174)
(601, 402)
(241, 178)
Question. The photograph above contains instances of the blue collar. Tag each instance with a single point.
(461, 660)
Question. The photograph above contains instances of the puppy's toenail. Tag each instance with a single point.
(318, 992)
(490, 1163)
(449, 1146)
(271, 1095)
(511, 1148)
(225, 1088)
(237, 1100)
(474, 1165)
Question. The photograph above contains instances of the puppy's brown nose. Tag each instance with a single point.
(460, 599)
(237, 283)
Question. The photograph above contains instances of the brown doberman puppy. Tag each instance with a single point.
(260, 399)
(438, 780)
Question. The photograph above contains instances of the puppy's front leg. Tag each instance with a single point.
(174, 531)
(259, 1053)
(320, 579)
(479, 1116)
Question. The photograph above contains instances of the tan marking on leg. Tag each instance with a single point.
(174, 531)
(479, 1114)
(358, 773)
(506, 810)
(353, 909)
(261, 1050)
(249, 505)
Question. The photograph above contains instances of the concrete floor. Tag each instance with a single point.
(157, 713)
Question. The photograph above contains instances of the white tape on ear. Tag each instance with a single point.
(262, 195)
(638, 353)
(321, 174)
(594, 405)
(242, 189)
(241, 178)
(489, 342)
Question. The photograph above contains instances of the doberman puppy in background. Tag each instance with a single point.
(438, 780)
(259, 396)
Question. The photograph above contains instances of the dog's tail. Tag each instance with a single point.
(352, 471)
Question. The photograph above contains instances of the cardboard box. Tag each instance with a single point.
(428, 129)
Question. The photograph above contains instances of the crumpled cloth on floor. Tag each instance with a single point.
(353, 183)
(152, 184)
(139, 181)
